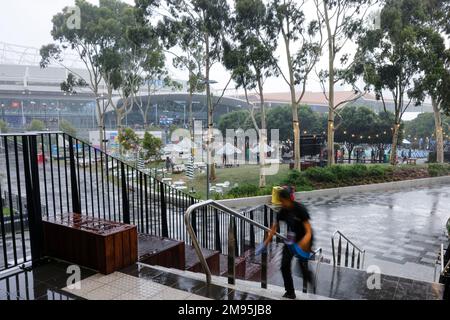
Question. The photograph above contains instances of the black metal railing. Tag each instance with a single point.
(212, 225)
(235, 233)
(50, 174)
(352, 255)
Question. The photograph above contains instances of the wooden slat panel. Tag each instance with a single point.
(126, 248)
(118, 251)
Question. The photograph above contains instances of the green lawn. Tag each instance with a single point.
(6, 212)
(248, 174)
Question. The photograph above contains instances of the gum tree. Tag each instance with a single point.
(210, 21)
(389, 58)
(342, 20)
(288, 21)
(435, 64)
(250, 57)
(84, 41)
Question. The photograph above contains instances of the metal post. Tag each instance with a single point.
(164, 227)
(217, 231)
(264, 256)
(125, 201)
(231, 252)
(252, 231)
(33, 197)
(76, 203)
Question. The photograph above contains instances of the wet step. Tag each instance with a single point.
(183, 285)
(165, 252)
(247, 290)
(240, 265)
(192, 262)
(351, 284)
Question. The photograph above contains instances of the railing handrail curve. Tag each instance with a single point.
(225, 209)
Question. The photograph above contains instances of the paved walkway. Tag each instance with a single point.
(401, 231)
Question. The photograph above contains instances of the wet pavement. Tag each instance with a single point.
(401, 231)
(42, 283)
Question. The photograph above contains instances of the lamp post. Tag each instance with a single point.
(209, 138)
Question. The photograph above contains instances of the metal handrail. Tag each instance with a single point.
(439, 261)
(361, 251)
(218, 206)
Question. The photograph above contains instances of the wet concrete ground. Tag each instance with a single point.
(401, 231)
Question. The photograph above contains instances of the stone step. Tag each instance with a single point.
(272, 292)
(192, 262)
(165, 252)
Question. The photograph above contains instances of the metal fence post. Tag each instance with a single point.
(164, 227)
(252, 232)
(33, 197)
(231, 252)
(217, 231)
(76, 203)
(125, 201)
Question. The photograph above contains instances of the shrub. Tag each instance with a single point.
(359, 171)
(436, 170)
(376, 171)
(245, 190)
(320, 174)
(342, 172)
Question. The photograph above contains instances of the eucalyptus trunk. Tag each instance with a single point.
(101, 126)
(331, 79)
(393, 159)
(262, 137)
(294, 106)
(211, 164)
(439, 132)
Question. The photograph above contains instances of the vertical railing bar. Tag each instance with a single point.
(77, 162)
(97, 186)
(44, 159)
(76, 202)
(59, 174)
(147, 229)
(83, 146)
(2, 228)
(133, 192)
(108, 195)
(51, 174)
(339, 250)
(65, 171)
(231, 252)
(11, 207)
(91, 192)
(125, 196)
(19, 200)
(103, 187)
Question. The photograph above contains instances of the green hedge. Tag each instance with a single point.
(436, 170)
(335, 176)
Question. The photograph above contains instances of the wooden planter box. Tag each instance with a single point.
(98, 244)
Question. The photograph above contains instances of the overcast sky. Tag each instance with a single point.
(28, 23)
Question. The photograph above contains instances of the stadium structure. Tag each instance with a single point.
(29, 92)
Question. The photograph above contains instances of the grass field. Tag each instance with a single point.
(248, 174)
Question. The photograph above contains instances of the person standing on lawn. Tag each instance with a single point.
(299, 241)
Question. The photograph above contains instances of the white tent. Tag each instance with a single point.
(406, 141)
(266, 148)
(186, 144)
(228, 150)
(172, 148)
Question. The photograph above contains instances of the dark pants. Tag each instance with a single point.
(286, 263)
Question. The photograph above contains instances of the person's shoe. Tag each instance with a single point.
(289, 295)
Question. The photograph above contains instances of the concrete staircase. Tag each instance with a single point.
(177, 258)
